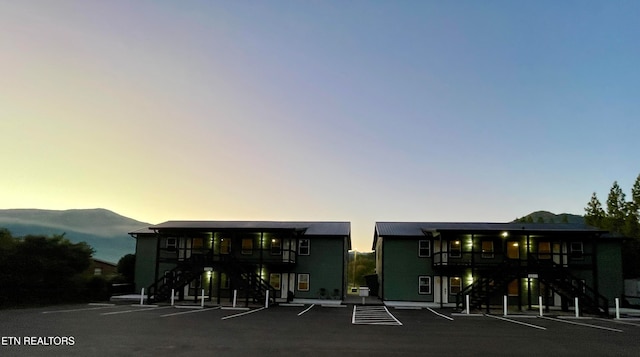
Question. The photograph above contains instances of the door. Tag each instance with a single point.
(440, 290)
(440, 252)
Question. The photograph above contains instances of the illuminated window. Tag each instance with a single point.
(247, 246)
(576, 250)
(304, 247)
(455, 250)
(424, 285)
(455, 285)
(276, 246)
(487, 249)
(97, 271)
(303, 282)
(544, 250)
(274, 280)
(424, 248)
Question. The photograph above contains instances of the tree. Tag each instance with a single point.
(127, 267)
(616, 209)
(594, 214)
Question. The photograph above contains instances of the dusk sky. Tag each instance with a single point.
(357, 111)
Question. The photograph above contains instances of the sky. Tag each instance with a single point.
(360, 111)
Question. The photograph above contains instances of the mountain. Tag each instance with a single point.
(548, 217)
(102, 229)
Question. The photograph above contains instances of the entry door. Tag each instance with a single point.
(556, 253)
(440, 290)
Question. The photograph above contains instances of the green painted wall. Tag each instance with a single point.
(402, 267)
(610, 278)
(145, 261)
(325, 266)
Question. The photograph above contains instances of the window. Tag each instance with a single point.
(197, 243)
(171, 244)
(576, 250)
(424, 248)
(247, 246)
(455, 285)
(303, 282)
(487, 249)
(455, 249)
(424, 285)
(304, 247)
(97, 271)
(274, 280)
(276, 246)
(225, 245)
(544, 250)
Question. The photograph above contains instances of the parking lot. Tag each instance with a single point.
(124, 330)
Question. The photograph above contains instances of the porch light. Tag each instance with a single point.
(505, 234)
(515, 244)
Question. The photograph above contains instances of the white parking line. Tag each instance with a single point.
(188, 312)
(136, 310)
(373, 315)
(516, 322)
(307, 309)
(73, 310)
(581, 324)
(242, 313)
(439, 314)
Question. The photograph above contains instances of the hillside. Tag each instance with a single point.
(102, 229)
(548, 217)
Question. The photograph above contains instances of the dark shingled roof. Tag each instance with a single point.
(418, 229)
(309, 228)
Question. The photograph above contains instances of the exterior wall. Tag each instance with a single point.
(380, 266)
(610, 278)
(146, 250)
(325, 266)
(402, 268)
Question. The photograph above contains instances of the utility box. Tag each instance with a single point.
(364, 291)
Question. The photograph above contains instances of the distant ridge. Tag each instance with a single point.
(104, 230)
(548, 217)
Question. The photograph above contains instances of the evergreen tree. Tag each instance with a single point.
(616, 209)
(594, 213)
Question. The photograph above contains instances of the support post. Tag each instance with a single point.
(173, 296)
(202, 299)
(617, 309)
(235, 296)
(540, 304)
(142, 296)
(266, 300)
(577, 307)
(505, 305)
(467, 303)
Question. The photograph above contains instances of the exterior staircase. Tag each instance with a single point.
(242, 276)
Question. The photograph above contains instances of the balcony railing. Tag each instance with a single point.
(479, 259)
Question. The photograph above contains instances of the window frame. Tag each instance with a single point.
(246, 250)
(421, 248)
(299, 280)
(171, 244)
(458, 286)
(576, 254)
(459, 249)
(421, 285)
(272, 246)
(279, 280)
(489, 254)
(302, 246)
